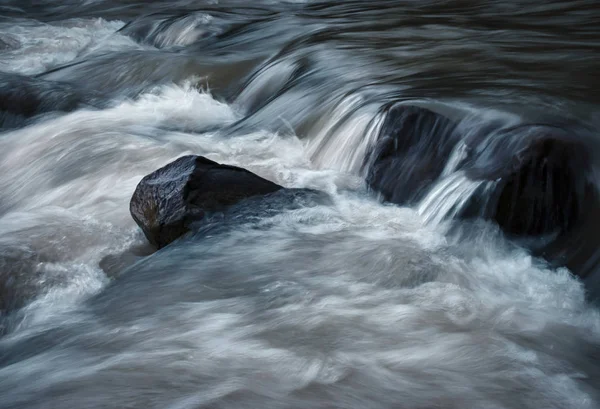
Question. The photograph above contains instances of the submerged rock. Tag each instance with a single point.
(114, 264)
(18, 282)
(131, 73)
(25, 275)
(23, 97)
(8, 43)
(256, 212)
(163, 31)
(167, 202)
(412, 149)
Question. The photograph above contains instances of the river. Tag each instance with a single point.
(355, 303)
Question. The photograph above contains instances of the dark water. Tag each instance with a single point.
(352, 303)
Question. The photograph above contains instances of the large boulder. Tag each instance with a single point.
(543, 178)
(168, 201)
(542, 190)
(543, 194)
(411, 151)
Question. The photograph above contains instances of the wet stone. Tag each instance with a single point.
(169, 200)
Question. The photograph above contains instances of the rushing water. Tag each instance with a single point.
(352, 303)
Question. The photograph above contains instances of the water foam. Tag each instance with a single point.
(46, 46)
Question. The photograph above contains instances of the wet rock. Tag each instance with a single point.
(542, 179)
(541, 189)
(412, 149)
(169, 200)
(543, 194)
(23, 97)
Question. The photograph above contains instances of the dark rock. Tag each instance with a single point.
(542, 179)
(23, 97)
(169, 200)
(542, 191)
(412, 149)
(544, 195)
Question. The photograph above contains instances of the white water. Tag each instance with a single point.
(42, 47)
(395, 311)
(356, 304)
(448, 197)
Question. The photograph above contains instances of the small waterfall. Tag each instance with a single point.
(341, 142)
(457, 156)
(449, 196)
(452, 192)
(462, 117)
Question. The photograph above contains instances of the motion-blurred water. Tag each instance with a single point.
(350, 304)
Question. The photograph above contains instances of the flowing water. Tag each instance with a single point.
(353, 303)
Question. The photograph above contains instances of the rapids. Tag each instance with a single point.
(352, 303)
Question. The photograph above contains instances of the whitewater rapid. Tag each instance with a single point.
(349, 304)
